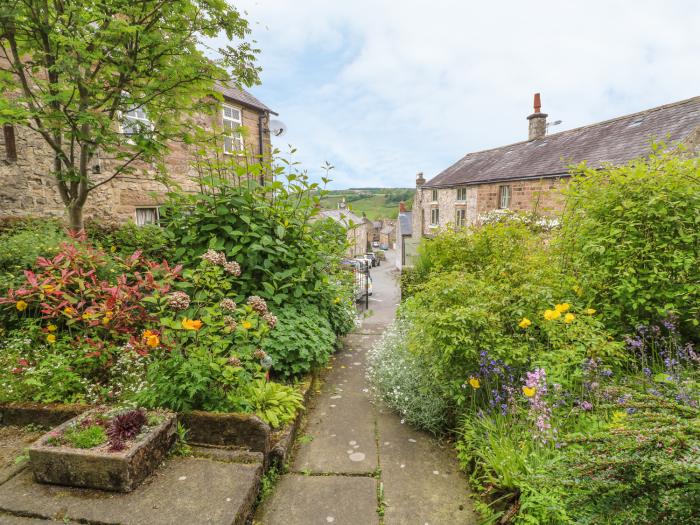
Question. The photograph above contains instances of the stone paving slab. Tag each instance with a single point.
(320, 500)
(422, 483)
(340, 423)
(184, 491)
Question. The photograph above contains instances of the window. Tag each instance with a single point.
(434, 216)
(135, 121)
(504, 197)
(461, 194)
(461, 217)
(146, 216)
(232, 120)
(8, 132)
(434, 196)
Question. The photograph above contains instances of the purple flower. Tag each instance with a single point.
(606, 373)
(587, 406)
(647, 371)
(631, 410)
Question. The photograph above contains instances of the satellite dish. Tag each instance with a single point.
(278, 128)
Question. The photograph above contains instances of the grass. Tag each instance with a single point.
(372, 201)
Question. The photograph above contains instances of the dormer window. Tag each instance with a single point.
(232, 121)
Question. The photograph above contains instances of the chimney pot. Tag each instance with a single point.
(537, 127)
(420, 180)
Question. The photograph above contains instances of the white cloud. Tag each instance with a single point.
(384, 89)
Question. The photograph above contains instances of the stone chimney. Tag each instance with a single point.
(402, 207)
(420, 180)
(537, 128)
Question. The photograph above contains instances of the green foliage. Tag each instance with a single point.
(399, 380)
(643, 468)
(268, 229)
(85, 437)
(125, 239)
(22, 243)
(58, 50)
(302, 340)
(376, 203)
(631, 235)
(274, 403)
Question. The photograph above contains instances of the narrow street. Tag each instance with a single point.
(356, 463)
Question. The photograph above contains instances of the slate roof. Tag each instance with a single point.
(615, 141)
(241, 96)
(343, 217)
(406, 223)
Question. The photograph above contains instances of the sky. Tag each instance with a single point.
(384, 89)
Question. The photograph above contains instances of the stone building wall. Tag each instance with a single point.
(540, 195)
(27, 187)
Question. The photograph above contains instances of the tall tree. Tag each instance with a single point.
(70, 70)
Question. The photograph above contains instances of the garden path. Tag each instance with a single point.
(356, 463)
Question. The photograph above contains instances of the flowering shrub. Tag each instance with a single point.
(398, 380)
(209, 345)
(567, 354)
(81, 317)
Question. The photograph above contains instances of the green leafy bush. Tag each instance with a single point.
(274, 403)
(301, 341)
(631, 236)
(125, 239)
(267, 228)
(21, 242)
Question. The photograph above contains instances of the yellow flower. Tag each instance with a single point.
(247, 325)
(106, 320)
(568, 318)
(113, 249)
(589, 311)
(51, 338)
(524, 323)
(191, 324)
(152, 338)
(70, 312)
(550, 315)
(529, 391)
(47, 288)
(336, 300)
(52, 328)
(21, 305)
(474, 382)
(563, 307)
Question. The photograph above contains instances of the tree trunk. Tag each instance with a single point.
(75, 217)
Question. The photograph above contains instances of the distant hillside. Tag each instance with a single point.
(377, 203)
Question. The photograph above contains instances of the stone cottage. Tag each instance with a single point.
(359, 229)
(528, 175)
(28, 189)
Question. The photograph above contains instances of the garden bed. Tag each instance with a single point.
(103, 449)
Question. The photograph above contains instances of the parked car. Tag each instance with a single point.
(372, 257)
(384, 247)
(375, 244)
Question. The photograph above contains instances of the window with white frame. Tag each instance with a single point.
(136, 121)
(434, 196)
(435, 216)
(460, 217)
(504, 197)
(146, 216)
(461, 194)
(232, 121)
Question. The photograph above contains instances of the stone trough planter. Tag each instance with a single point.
(55, 462)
